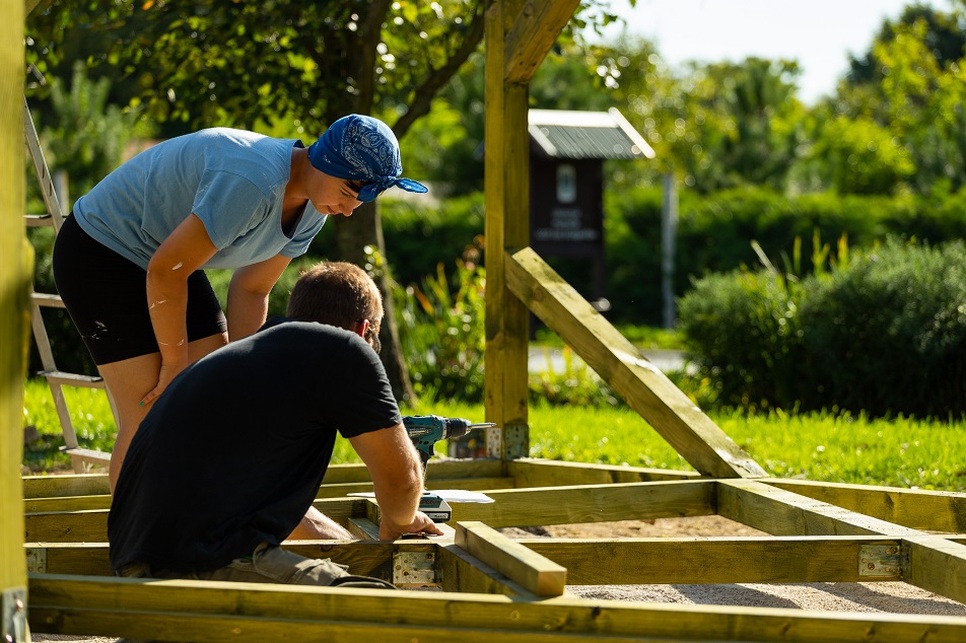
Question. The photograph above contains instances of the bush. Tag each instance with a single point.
(883, 333)
(888, 335)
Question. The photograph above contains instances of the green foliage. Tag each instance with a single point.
(83, 135)
(882, 332)
(713, 234)
(441, 332)
(241, 63)
(575, 384)
(861, 157)
(889, 333)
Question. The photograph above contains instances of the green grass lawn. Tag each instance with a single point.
(901, 452)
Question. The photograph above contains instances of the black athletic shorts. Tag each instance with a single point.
(106, 297)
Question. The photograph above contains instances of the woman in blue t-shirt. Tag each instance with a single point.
(129, 263)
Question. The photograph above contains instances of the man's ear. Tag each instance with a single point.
(360, 328)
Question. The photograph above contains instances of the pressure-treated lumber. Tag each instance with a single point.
(533, 472)
(506, 157)
(252, 612)
(16, 269)
(645, 388)
(534, 572)
(618, 561)
(915, 508)
(511, 508)
(533, 33)
(781, 512)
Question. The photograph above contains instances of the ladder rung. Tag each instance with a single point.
(89, 455)
(39, 220)
(47, 299)
(73, 379)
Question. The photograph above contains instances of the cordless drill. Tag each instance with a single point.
(425, 431)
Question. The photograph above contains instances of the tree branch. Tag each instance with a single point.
(436, 79)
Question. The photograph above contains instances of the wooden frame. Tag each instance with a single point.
(487, 585)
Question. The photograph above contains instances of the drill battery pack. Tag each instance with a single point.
(435, 507)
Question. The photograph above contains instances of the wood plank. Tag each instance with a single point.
(630, 561)
(532, 472)
(462, 572)
(91, 526)
(643, 386)
(494, 188)
(81, 484)
(437, 469)
(534, 572)
(200, 611)
(534, 32)
(937, 565)
(103, 501)
(506, 383)
(511, 507)
(597, 503)
(914, 508)
(368, 557)
(784, 513)
(16, 268)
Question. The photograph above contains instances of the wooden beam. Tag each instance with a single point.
(367, 558)
(463, 572)
(631, 561)
(645, 388)
(531, 472)
(595, 503)
(16, 270)
(506, 385)
(914, 508)
(785, 513)
(91, 526)
(534, 32)
(200, 611)
(510, 507)
(534, 572)
(937, 565)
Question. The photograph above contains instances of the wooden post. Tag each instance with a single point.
(518, 36)
(507, 224)
(15, 271)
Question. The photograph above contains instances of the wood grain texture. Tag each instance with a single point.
(645, 388)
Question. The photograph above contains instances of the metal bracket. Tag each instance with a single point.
(37, 559)
(880, 560)
(414, 569)
(516, 439)
(14, 615)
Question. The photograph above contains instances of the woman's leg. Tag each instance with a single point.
(129, 380)
(105, 296)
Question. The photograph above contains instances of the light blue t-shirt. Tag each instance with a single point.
(233, 180)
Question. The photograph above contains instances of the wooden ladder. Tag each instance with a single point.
(56, 379)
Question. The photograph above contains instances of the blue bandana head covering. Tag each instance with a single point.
(362, 148)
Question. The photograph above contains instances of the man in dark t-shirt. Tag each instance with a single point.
(229, 460)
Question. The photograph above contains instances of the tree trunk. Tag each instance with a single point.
(352, 235)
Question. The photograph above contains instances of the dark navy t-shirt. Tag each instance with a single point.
(233, 453)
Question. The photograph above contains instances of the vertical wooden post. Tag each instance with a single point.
(507, 226)
(15, 271)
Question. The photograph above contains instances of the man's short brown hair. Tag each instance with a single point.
(340, 294)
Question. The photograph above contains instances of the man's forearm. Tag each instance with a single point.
(399, 502)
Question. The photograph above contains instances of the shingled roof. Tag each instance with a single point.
(586, 135)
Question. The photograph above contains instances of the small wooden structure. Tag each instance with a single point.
(568, 149)
(490, 586)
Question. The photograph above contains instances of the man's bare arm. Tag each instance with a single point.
(397, 479)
